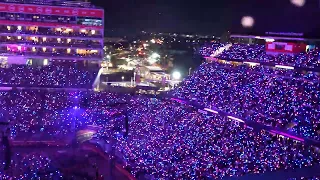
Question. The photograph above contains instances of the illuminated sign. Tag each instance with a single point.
(51, 10)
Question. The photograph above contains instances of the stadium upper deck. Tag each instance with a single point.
(43, 30)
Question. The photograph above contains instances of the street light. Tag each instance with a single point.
(155, 55)
(176, 75)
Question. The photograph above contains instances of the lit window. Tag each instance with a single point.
(19, 37)
(68, 50)
(45, 62)
(8, 27)
(83, 31)
(93, 32)
(44, 49)
(59, 40)
(8, 37)
(58, 29)
(19, 48)
(44, 39)
(33, 49)
(19, 28)
(68, 40)
(53, 49)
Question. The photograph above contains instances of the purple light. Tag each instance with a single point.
(236, 119)
(288, 135)
(210, 110)
(178, 100)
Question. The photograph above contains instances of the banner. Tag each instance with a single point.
(283, 47)
(51, 10)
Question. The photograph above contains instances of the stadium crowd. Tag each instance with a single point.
(50, 115)
(41, 114)
(270, 96)
(168, 140)
(47, 76)
(165, 140)
(209, 50)
(172, 141)
(257, 53)
(31, 166)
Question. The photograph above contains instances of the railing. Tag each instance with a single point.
(55, 55)
(54, 44)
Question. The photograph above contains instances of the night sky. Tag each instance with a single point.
(208, 16)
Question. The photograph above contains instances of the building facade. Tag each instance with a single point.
(48, 30)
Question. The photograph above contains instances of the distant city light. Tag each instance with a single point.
(298, 3)
(247, 21)
(153, 41)
(155, 55)
(176, 75)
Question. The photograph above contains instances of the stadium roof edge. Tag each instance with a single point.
(271, 37)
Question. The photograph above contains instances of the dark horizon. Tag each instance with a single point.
(207, 17)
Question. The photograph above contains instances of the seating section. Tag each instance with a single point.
(257, 53)
(278, 98)
(52, 76)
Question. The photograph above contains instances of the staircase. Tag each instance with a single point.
(220, 50)
(96, 81)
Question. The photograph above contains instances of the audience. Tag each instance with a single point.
(257, 53)
(269, 96)
(47, 76)
(172, 141)
(167, 140)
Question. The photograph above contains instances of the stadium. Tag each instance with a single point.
(251, 111)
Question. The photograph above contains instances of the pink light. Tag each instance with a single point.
(210, 110)
(236, 119)
(288, 135)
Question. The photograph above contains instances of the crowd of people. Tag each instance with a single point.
(275, 97)
(166, 140)
(173, 141)
(210, 49)
(257, 53)
(53, 163)
(55, 116)
(31, 166)
(51, 76)
(50, 115)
